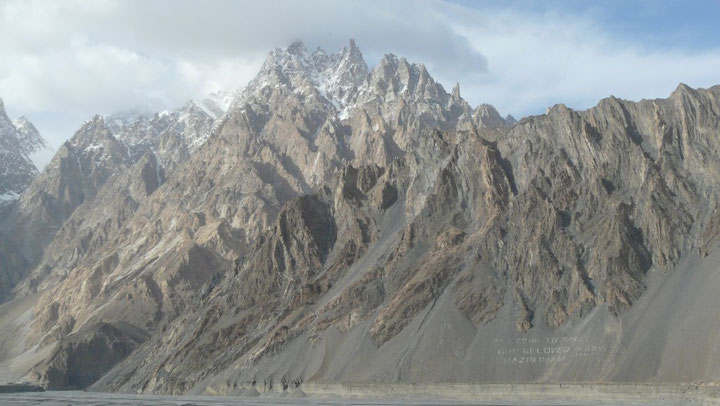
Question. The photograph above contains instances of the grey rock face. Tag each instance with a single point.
(340, 224)
(80, 167)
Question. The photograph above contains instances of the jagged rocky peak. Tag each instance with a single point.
(343, 79)
(456, 92)
(337, 75)
(394, 76)
(22, 152)
(343, 84)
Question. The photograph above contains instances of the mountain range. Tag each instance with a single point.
(332, 223)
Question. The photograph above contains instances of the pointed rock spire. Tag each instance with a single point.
(456, 91)
(354, 55)
(351, 67)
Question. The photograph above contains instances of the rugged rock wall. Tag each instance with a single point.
(519, 259)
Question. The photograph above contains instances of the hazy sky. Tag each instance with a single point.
(63, 61)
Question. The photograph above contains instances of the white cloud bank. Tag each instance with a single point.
(63, 61)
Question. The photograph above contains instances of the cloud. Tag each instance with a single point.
(63, 61)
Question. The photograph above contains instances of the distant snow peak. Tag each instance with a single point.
(23, 152)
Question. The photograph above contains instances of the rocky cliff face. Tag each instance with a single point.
(346, 224)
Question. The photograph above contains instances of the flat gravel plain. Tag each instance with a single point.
(515, 395)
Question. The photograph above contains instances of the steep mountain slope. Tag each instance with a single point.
(346, 224)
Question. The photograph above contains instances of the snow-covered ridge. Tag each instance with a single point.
(336, 76)
(345, 83)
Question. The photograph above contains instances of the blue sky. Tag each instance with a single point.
(687, 24)
(63, 61)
